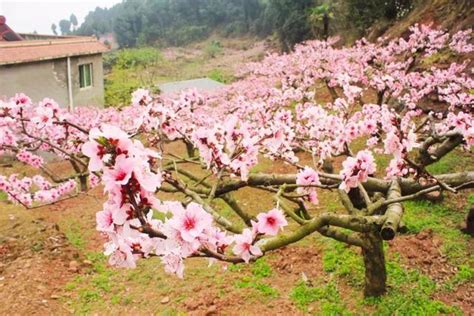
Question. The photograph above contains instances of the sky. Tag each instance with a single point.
(27, 16)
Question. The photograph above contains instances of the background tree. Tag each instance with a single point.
(65, 27)
(54, 29)
(319, 18)
(73, 20)
(363, 13)
(288, 19)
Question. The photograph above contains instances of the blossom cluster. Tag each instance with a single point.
(307, 179)
(30, 158)
(127, 216)
(356, 170)
(27, 191)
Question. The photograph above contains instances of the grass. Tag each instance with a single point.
(213, 49)
(443, 221)
(443, 56)
(327, 296)
(220, 75)
(259, 271)
(410, 293)
(342, 261)
(449, 163)
(464, 275)
(75, 234)
(3, 196)
(264, 290)
(93, 287)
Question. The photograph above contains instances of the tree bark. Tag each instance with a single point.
(190, 150)
(83, 183)
(374, 261)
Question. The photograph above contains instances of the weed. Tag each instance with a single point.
(87, 295)
(448, 163)
(410, 294)
(252, 282)
(442, 56)
(213, 49)
(74, 283)
(235, 267)
(74, 234)
(219, 76)
(465, 274)
(470, 200)
(343, 261)
(37, 246)
(442, 220)
(3, 196)
(261, 269)
(327, 295)
(115, 299)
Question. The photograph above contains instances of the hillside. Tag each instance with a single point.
(452, 15)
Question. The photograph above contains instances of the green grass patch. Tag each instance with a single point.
(327, 296)
(130, 69)
(3, 196)
(343, 261)
(75, 234)
(220, 76)
(261, 287)
(92, 289)
(409, 294)
(465, 274)
(449, 163)
(263, 165)
(443, 56)
(261, 269)
(443, 220)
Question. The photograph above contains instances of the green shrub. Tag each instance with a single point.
(213, 49)
(119, 86)
(128, 73)
(220, 76)
(137, 57)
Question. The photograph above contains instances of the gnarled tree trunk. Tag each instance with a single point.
(374, 261)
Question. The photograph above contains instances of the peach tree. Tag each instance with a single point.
(325, 112)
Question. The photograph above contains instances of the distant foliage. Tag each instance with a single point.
(179, 22)
(175, 22)
(289, 20)
(363, 13)
(220, 76)
(138, 57)
(65, 27)
(124, 66)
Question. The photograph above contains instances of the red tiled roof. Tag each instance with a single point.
(36, 50)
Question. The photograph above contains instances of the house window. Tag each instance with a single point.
(85, 75)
